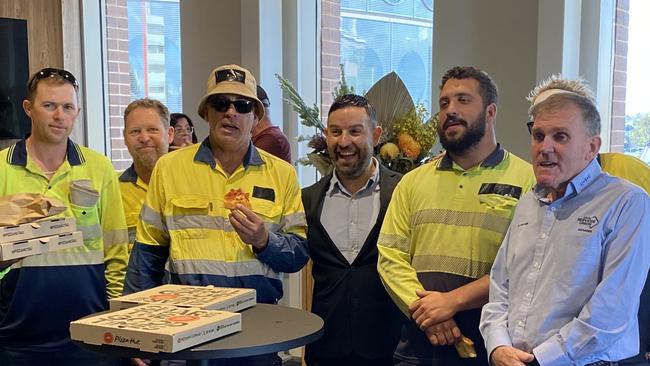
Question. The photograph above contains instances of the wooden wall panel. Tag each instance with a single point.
(44, 30)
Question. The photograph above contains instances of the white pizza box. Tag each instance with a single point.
(202, 297)
(155, 328)
(25, 248)
(37, 229)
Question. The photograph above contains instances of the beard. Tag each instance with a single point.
(353, 169)
(473, 134)
(147, 160)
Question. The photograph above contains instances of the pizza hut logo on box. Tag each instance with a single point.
(108, 338)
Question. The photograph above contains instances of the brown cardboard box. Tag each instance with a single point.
(45, 244)
(37, 229)
(155, 328)
(202, 297)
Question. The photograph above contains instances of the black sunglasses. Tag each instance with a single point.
(221, 104)
(49, 72)
(529, 124)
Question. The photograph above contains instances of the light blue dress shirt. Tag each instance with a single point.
(349, 217)
(566, 281)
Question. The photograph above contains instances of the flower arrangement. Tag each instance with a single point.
(409, 145)
(408, 132)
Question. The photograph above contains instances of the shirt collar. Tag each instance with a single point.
(129, 175)
(494, 159)
(576, 185)
(204, 155)
(18, 154)
(373, 181)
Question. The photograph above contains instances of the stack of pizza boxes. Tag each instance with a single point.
(167, 318)
(40, 236)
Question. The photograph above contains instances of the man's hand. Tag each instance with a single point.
(432, 308)
(250, 227)
(140, 362)
(510, 356)
(445, 333)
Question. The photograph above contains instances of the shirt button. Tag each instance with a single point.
(536, 264)
(528, 294)
(520, 323)
(543, 236)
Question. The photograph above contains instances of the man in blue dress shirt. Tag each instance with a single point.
(565, 285)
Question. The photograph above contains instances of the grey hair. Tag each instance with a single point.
(575, 91)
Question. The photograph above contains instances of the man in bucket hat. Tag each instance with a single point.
(189, 230)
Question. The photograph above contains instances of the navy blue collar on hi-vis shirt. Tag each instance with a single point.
(491, 161)
(129, 175)
(18, 154)
(204, 154)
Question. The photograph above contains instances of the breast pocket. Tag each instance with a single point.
(583, 258)
(269, 212)
(502, 205)
(190, 218)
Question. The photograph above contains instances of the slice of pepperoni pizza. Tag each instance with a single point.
(234, 197)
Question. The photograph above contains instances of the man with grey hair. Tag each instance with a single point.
(565, 285)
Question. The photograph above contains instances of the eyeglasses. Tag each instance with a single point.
(188, 130)
(50, 72)
(529, 124)
(222, 105)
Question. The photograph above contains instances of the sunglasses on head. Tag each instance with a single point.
(50, 72)
(221, 104)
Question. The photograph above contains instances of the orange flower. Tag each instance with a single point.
(409, 146)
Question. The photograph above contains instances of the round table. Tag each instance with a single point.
(265, 329)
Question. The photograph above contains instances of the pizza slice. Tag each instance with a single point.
(234, 197)
(465, 348)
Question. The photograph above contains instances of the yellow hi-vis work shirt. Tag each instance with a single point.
(443, 219)
(43, 293)
(184, 225)
(134, 191)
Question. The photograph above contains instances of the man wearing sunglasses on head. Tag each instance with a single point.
(42, 294)
(187, 234)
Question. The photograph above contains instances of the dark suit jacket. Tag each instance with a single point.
(359, 315)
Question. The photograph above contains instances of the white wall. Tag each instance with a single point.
(210, 37)
(499, 37)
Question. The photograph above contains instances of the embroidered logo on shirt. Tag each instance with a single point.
(587, 223)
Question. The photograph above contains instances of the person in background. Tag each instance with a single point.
(43, 293)
(184, 134)
(266, 135)
(147, 134)
(344, 212)
(445, 223)
(188, 236)
(565, 285)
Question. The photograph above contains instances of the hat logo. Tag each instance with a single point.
(230, 75)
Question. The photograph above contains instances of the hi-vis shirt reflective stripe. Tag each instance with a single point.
(184, 211)
(102, 224)
(444, 219)
(134, 191)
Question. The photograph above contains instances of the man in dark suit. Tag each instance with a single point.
(345, 211)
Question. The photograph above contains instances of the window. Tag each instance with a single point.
(144, 60)
(375, 37)
(631, 77)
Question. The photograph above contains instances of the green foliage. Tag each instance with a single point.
(343, 88)
(309, 116)
(640, 135)
(417, 124)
